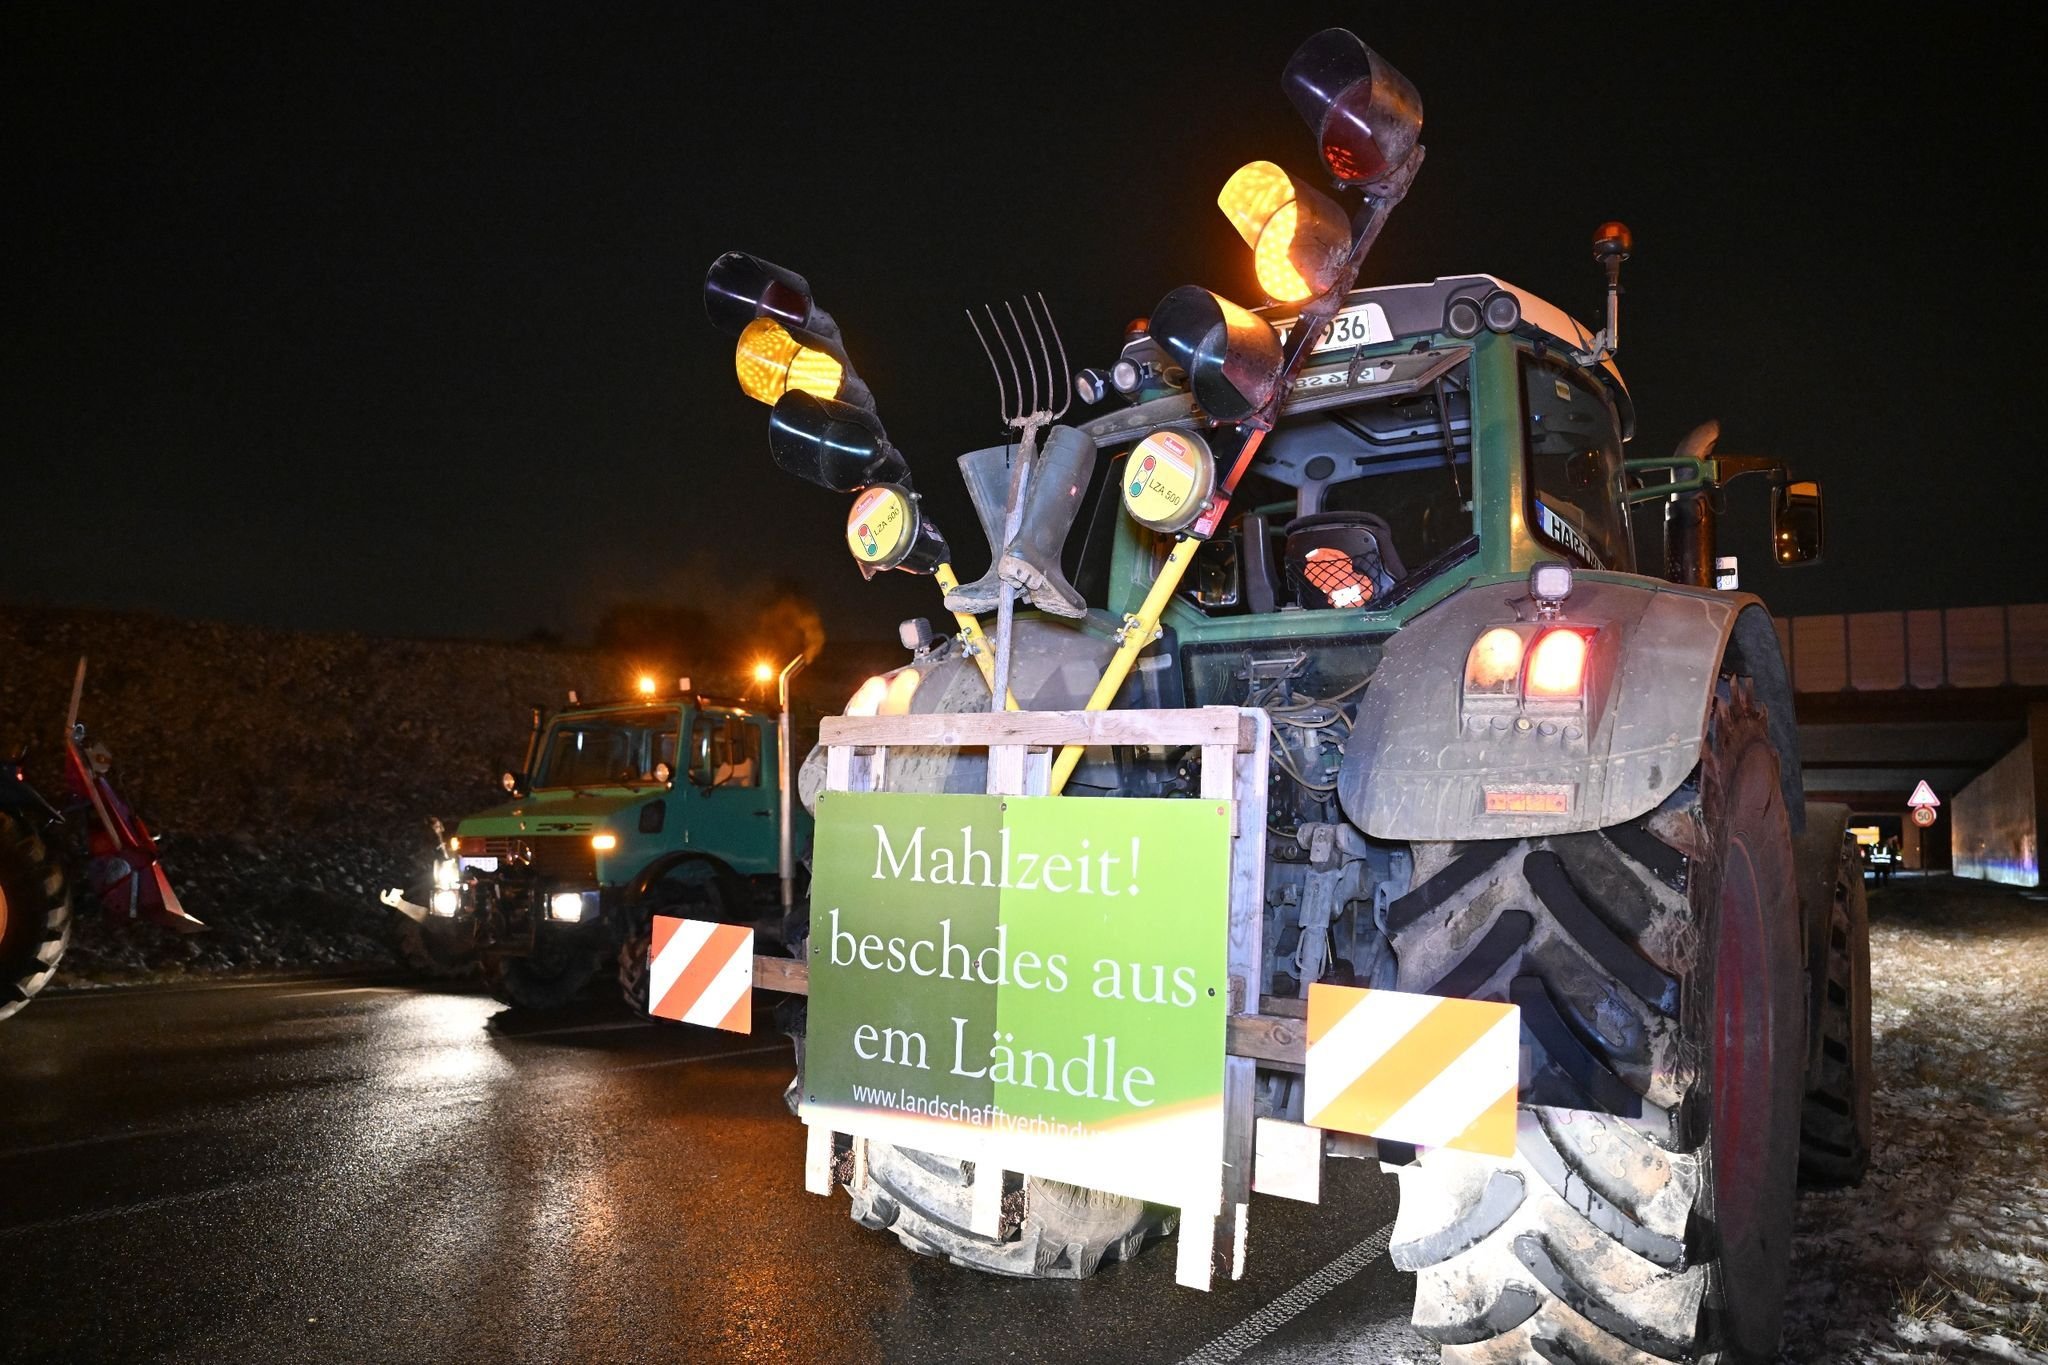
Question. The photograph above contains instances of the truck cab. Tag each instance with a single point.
(631, 807)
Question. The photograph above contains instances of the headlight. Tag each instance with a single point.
(447, 874)
(446, 901)
(568, 905)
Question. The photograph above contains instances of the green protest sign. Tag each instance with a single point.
(1035, 982)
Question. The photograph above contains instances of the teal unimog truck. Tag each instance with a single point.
(667, 803)
(1509, 763)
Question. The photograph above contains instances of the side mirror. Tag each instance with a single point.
(1798, 528)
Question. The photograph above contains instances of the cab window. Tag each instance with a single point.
(725, 751)
(1576, 501)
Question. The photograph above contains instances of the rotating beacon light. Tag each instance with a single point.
(1298, 236)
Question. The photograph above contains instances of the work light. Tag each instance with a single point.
(887, 529)
(1364, 113)
(1232, 357)
(834, 445)
(1298, 237)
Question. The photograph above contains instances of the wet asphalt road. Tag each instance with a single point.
(353, 1170)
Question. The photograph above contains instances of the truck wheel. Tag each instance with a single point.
(547, 980)
(35, 914)
(1836, 1121)
(1647, 1212)
(1065, 1232)
(691, 893)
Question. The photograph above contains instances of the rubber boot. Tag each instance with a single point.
(1059, 481)
(987, 476)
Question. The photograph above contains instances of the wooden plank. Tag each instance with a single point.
(980, 729)
(785, 974)
(1976, 646)
(818, 1158)
(1290, 1161)
(1293, 1006)
(1273, 1039)
(985, 1216)
(1195, 1254)
(1246, 957)
(1006, 770)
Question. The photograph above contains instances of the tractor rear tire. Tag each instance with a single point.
(1836, 1123)
(1646, 1215)
(1065, 1232)
(35, 913)
(543, 981)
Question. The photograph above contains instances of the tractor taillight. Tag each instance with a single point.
(1494, 663)
(1557, 665)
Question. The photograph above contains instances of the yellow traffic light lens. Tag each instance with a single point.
(1260, 203)
(1297, 236)
(1273, 258)
(1252, 196)
(770, 362)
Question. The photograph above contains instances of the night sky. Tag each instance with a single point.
(388, 319)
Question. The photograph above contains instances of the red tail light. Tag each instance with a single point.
(1557, 665)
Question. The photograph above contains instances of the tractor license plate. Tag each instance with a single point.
(1362, 324)
(479, 864)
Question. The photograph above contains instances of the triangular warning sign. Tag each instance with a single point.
(1923, 795)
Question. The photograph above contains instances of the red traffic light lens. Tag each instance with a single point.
(740, 288)
(1365, 114)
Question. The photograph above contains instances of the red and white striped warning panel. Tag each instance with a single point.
(1413, 1068)
(699, 972)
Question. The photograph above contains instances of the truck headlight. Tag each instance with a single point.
(446, 901)
(447, 874)
(568, 906)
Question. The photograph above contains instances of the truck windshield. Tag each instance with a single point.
(618, 749)
(1576, 497)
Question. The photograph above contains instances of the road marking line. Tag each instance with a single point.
(1291, 1305)
(351, 990)
(144, 1206)
(96, 1138)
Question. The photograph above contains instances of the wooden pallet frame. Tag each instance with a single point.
(1235, 744)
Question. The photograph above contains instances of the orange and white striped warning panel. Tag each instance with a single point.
(1413, 1068)
(699, 972)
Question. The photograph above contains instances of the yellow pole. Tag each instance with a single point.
(1137, 634)
(970, 631)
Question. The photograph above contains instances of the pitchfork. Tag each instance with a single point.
(1029, 420)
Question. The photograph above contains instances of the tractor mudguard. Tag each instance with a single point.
(1421, 763)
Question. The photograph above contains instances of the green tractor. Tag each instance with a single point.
(1507, 764)
(622, 809)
